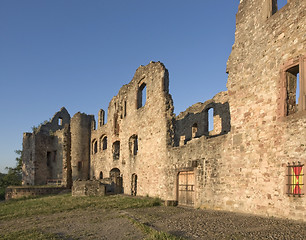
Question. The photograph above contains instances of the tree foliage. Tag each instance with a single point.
(13, 177)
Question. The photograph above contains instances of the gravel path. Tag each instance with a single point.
(182, 222)
(205, 224)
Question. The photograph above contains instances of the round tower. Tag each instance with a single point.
(80, 145)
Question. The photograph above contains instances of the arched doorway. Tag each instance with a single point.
(134, 184)
(116, 179)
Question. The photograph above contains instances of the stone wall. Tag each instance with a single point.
(46, 152)
(238, 164)
(246, 170)
(264, 139)
(14, 192)
(88, 188)
(148, 126)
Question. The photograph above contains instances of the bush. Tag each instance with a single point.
(13, 177)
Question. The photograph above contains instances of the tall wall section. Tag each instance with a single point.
(81, 125)
(266, 136)
(246, 169)
(46, 152)
(135, 138)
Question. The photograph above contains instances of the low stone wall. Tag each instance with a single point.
(88, 188)
(13, 192)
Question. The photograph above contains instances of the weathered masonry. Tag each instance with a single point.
(249, 159)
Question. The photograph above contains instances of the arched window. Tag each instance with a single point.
(116, 179)
(103, 142)
(101, 175)
(142, 95)
(116, 124)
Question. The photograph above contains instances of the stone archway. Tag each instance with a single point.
(116, 179)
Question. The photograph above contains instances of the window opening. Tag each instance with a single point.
(297, 94)
(101, 117)
(292, 77)
(210, 113)
(101, 175)
(142, 95)
(116, 124)
(134, 184)
(94, 147)
(295, 179)
(133, 145)
(116, 150)
(124, 109)
(194, 130)
(104, 143)
(60, 121)
(281, 4)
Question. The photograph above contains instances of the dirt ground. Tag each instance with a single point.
(181, 222)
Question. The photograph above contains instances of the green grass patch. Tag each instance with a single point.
(61, 203)
(30, 234)
(153, 234)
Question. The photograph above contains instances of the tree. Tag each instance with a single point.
(13, 177)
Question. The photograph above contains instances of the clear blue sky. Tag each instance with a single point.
(78, 53)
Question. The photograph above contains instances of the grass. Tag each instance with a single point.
(23, 208)
(153, 234)
(30, 234)
(61, 203)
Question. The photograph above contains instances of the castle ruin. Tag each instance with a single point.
(249, 159)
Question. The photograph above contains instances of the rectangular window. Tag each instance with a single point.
(60, 121)
(295, 179)
(141, 95)
(292, 87)
(293, 91)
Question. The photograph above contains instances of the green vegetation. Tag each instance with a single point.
(30, 234)
(24, 209)
(152, 233)
(13, 177)
(36, 128)
(60, 203)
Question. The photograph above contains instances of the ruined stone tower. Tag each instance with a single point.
(81, 125)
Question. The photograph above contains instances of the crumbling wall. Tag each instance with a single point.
(142, 128)
(194, 122)
(28, 159)
(245, 170)
(88, 188)
(15, 192)
(263, 139)
(46, 152)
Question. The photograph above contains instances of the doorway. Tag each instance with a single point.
(186, 188)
